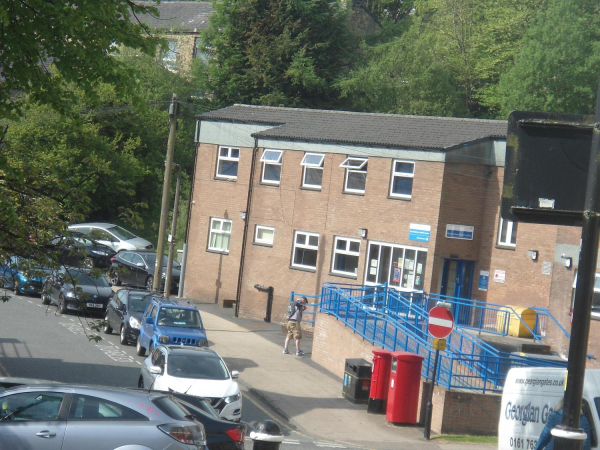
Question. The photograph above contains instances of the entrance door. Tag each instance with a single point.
(457, 281)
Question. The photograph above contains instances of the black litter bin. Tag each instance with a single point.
(357, 380)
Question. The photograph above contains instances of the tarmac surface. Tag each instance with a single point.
(305, 397)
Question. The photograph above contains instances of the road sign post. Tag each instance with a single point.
(439, 325)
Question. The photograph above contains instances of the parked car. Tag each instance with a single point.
(22, 275)
(124, 313)
(10, 382)
(68, 417)
(114, 236)
(170, 322)
(75, 249)
(77, 289)
(195, 371)
(137, 269)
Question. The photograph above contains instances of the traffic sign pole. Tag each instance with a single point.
(429, 410)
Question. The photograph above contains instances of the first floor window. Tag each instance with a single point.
(403, 173)
(306, 247)
(271, 170)
(356, 174)
(507, 234)
(312, 176)
(227, 162)
(345, 256)
(264, 235)
(220, 235)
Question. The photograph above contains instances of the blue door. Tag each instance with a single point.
(457, 281)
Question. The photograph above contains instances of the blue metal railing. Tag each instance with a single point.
(312, 308)
(387, 318)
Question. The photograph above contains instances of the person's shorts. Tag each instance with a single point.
(294, 331)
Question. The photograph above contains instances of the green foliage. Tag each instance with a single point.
(276, 52)
(557, 67)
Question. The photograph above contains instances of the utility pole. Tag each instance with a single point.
(164, 210)
(173, 232)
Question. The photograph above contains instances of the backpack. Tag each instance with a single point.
(290, 310)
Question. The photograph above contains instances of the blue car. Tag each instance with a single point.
(22, 275)
(170, 322)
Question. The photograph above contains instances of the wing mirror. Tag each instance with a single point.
(235, 374)
(149, 320)
(155, 370)
(140, 265)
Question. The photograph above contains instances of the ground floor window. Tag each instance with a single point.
(220, 234)
(399, 266)
(596, 296)
(345, 256)
(306, 247)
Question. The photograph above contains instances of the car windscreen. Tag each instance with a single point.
(199, 407)
(121, 233)
(151, 261)
(138, 302)
(85, 279)
(179, 317)
(198, 366)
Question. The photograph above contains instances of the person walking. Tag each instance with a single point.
(546, 440)
(294, 330)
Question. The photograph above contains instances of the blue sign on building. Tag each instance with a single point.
(418, 232)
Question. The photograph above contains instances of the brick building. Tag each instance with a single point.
(292, 198)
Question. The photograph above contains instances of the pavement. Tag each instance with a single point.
(303, 395)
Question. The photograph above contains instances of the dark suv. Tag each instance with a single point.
(170, 322)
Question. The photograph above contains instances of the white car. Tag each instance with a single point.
(198, 371)
(112, 235)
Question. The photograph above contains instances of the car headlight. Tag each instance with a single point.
(134, 323)
(233, 398)
(99, 252)
(164, 275)
(202, 343)
(163, 339)
(71, 294)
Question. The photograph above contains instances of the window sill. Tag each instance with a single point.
(218, 252)
(506, 247)
(403, 199)
(341, 275)
(305, 188)
(304, 269)
(230, 180)
(359, 194)
(260, 244)
(273, 185)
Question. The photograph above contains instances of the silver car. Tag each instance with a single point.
(67, 417)
(112, 235)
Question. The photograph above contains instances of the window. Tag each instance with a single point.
(356, 174)
(30, 406)
(271, 170)
(85, 407)
(220, 234)
(312, 176)
(507, 234)
(403, 173)
(169, 58)
(306, 247)
(400, 266)
(201, 51)
(264, 235)
(595, 297)
(227, 163)
(345, 256)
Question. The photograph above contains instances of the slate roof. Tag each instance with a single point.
(387, 130)
(187, 17)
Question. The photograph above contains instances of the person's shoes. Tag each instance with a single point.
(286, 351)
(300, 353)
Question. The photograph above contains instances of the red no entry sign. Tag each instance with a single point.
(440, 323)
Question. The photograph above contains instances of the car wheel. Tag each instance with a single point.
(16, 287)
(149, 283)
(62, 308)
(45, 299)
(141, 382)
(114, 278)
(106, 328)
(141, 351)
(88, 263)
(123, 336)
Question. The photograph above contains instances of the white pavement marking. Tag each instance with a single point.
(114, 353)
(30, 301)
(290, 442)
(329, 445)
(139, 363)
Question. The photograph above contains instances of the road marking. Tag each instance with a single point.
(30, 301)
(291, 442)
(329, 445)
(114, 353)
(139, 363)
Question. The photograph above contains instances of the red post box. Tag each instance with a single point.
(403, 393)
(380, 381)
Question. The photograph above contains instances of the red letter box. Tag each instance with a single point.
(403, 394)
(380, 381)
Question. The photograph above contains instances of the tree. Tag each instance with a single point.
(276, 52)
(557, 67)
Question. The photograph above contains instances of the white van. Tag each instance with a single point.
(530, 396)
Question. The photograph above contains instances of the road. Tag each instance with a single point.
(37, 342)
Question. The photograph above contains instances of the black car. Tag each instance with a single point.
(77, 289)
(220, 434)
(75, 249)
(136, 268)
(124, 313)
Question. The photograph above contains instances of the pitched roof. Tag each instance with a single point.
(388, 130)
(190, 17)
